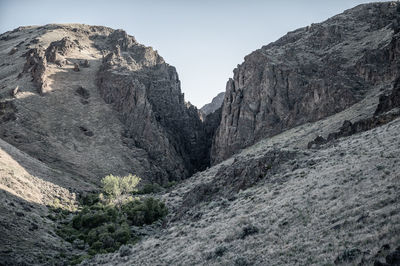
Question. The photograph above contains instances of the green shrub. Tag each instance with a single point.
(115, 186)
(107, 239)
(154, 210)
(123, 234)
(90, 199)
(170, 184)
(150, 188)
(92, 220)
(144, 212)
(96, 245)
(77, 221)
(104, 227)
(128, 183)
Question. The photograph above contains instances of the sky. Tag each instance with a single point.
(205, 39)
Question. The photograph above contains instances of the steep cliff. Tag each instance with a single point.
(146, 93)
(309, 74)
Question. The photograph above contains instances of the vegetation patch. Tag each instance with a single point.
(103, 222)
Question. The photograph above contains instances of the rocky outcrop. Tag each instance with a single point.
(388, 102)
(146, 93)
(7, 112)
(36, 65)
(241, 174)
(57, 50)
(309, 74)
(386, 111)
(211, 123)
(215, 104)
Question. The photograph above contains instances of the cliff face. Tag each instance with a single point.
(146, 93)
(91, 101)
(309, 74)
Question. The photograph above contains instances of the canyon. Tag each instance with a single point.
(297, 162)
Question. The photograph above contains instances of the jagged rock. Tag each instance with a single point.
(309, 74)
(36, 64)
(211, 123)
(13, 51)
(215, 104)
(7, 111)
(240, 175)
(125, 250)
(57, 50)
(388, 102)
(119, 38)
(316, 142)
(84, 93)
(76, 67)
(172, 132)
(14, 91)
(385, 112)
(85, 63)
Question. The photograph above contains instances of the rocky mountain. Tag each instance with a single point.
(304, 148)
(77, 103)
(280, 203)
(92, 101)
(215, 104)
(309, 74)
(319, 184)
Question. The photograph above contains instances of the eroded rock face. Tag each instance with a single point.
(146, 93)
(388, 102)
(36, 65)
(309, 74)
(59, 49)
(211, 123)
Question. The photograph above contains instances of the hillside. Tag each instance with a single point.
(306, 190)
(81, 121)
(280, 203)
(297, 163)
(309, 74)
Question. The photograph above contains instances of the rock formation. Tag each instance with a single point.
(319, 187)
(153, 132)
(146, 93)
(36, 64)
(215, 104)
(309, 74)
(57, 50)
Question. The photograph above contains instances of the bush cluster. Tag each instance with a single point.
(154, 188)
(103, 226)
(149, 188)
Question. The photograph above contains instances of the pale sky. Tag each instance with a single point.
(205, 40)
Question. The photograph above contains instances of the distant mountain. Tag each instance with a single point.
(214, 104)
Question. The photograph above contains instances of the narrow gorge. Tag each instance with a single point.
(296, 163)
